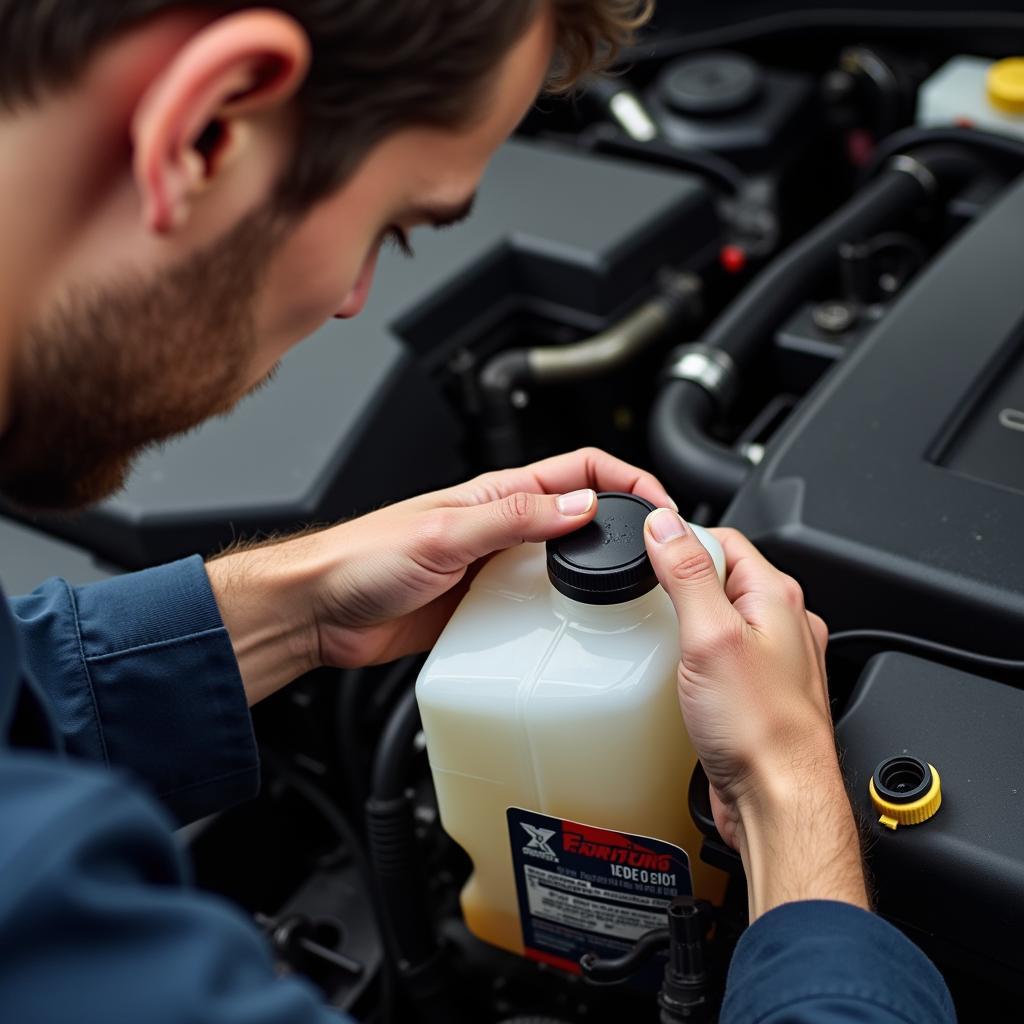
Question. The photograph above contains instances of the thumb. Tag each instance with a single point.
(479, 530)
(690, 564)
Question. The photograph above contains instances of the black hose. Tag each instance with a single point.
(719, 171)
(1002, 147)
(393, 762)
(348, 703)
(363, 699)
(501, 437)
(391, 832)
(603, 971)
(693, 464)
(771, 296)
(690, 462)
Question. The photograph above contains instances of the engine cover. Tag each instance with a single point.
(956, 881)
(895, 492)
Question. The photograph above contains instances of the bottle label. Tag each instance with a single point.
(589, 890)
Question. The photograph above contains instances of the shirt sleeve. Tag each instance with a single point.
(140, 674)
(821, 962)
(99, 922)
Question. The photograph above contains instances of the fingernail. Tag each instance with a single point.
(665, 525)
(576, 503)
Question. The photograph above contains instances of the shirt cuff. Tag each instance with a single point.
(168, 695)
(802, 960)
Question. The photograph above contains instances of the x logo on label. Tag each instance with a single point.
(538, 838)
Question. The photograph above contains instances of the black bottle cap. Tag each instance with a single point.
(605, 562)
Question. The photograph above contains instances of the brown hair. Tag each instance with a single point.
(378, 65)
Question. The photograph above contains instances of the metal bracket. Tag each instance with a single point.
(917, 170)
(710, 368)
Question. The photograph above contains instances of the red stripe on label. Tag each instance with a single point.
(553, 961)
(600, 836)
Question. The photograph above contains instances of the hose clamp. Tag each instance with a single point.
(709, 368)
(917, 170)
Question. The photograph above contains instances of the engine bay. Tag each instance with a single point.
(778, 259)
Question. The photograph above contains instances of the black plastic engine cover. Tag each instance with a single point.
(874, 494)
(955, 881)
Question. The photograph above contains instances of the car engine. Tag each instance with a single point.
(778, 259)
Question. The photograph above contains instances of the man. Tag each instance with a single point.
(188, 190)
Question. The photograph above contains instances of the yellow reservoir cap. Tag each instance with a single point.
(1006, 85)
(892, 814)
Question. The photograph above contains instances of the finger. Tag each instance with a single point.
(585, 468)
(688, 573)
(457, 537)
(754, 586)
(819, 630)
(746, 568)
(603, 472)
(819, 639)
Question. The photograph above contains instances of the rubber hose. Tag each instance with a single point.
(390, 830)
(720, 172)
(392, 763)
(391, 834)
(502, 438)
(693, 465)
(770, 297)
(906, 141)
(688, 460)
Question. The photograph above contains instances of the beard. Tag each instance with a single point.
(113, 372)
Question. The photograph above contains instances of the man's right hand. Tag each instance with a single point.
(754, 698)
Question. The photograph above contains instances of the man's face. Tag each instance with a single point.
(109, 370)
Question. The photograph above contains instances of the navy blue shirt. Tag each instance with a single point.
(122, 715)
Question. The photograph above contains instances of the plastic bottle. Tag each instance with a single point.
(557, 747)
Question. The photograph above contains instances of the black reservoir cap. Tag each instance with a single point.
(606, 561)
(715, 84)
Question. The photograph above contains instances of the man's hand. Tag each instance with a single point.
(754, 697)
(383, 586)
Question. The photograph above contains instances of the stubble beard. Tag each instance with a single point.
(111, 373)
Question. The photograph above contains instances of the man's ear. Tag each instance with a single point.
(191, 118)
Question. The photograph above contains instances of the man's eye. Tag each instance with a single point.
(397, 237)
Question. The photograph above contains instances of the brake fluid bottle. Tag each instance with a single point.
(557, 746)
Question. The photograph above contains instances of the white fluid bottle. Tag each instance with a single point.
(557, 747)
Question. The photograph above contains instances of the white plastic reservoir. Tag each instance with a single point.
(975, 92)
(557, 746)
